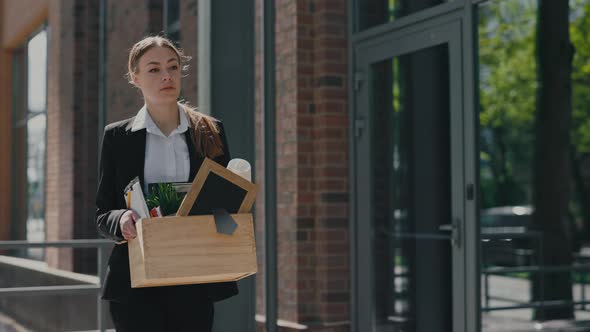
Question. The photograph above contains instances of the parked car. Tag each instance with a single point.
(507, 238)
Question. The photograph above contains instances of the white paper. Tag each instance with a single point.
(137, 200)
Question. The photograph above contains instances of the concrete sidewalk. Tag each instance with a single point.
(499, 324)
(8, 324)
(512, 291)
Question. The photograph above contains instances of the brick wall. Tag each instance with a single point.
(85, 94)
(60, 132)
(127, 23)
(155, 17)
(330, 137)
(312, 145)
(189, 42)
(72, 133)
(312, 165)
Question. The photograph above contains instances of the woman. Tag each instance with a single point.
(165, 142)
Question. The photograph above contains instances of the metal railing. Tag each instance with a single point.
(538, 268)
(100, 245)
(542, 270)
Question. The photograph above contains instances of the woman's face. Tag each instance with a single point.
(158, 76)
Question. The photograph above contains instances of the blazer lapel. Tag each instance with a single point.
(196, 159)
(136, 152)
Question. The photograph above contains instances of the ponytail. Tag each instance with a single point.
(205, 132)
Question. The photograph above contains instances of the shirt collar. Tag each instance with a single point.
(143, 120)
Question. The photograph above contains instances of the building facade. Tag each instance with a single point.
(397, 146)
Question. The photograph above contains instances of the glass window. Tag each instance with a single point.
(37, 73)
(535, 251)
(411, 137)
(372, 13)
(30, 124)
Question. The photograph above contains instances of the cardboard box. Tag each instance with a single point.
(189, 250)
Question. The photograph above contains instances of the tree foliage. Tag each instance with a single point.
(508, 83)
(508, 110)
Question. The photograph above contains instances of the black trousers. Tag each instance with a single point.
(163, 309)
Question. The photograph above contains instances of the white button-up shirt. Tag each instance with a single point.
(166, 157)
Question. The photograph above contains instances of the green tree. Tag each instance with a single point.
(507, 100)
(543, 104)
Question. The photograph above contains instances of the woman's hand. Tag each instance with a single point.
(127, 224)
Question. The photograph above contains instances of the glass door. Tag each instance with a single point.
(409, 177)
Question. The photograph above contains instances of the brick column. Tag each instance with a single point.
(307, 286)
(72, 112)
(60, 132)
(127, 23)
(189, 42)
(322, 117)
(85, 129)
(155, 16)
(72, 131)
(312, 152)
(331, 160)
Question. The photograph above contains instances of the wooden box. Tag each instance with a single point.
(215, 186)
(189, 250)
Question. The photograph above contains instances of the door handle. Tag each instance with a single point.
(455, 229)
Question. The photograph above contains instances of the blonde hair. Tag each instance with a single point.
(206, 134)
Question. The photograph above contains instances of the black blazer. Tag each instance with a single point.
(122, 159)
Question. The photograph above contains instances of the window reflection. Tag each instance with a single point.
(524, 281)
(372, 13)
(411, 137)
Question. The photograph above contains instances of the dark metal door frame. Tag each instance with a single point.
(447, 31)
